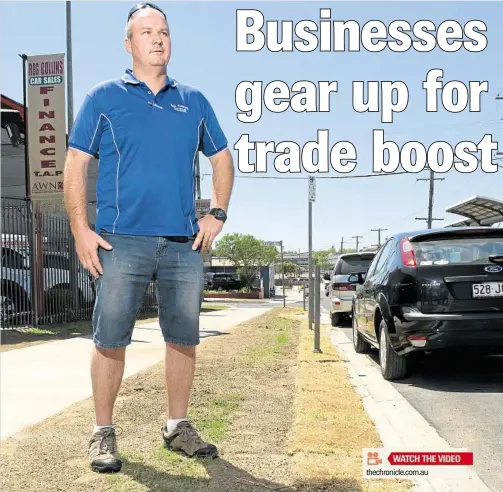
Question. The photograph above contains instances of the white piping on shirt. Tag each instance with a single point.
(194, 172)
(118, 167)
(97, 125)
(209, 135)
(70, 146)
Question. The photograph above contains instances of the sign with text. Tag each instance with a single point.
(381, 463)
(46, 125)
(312, 189)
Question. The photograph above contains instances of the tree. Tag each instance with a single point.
(321, 259)
(247, 253)
(349, 250)
(290, 268)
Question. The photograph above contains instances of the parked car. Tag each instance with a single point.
(16, 283)
(341, 291)
(431, 290)
(221, 281)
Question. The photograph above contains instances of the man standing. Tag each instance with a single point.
(146, 129)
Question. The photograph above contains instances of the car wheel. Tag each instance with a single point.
(336, 317)
(8, 308)
(393, 366)
(360, 345)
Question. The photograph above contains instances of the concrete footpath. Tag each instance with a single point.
(40, 381)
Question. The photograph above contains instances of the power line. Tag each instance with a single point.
(320, 177)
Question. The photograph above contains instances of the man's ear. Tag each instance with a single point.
(127, 45)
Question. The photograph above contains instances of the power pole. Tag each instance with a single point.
(432, 180)
(342, 245)
(379, 235)
(357, 241)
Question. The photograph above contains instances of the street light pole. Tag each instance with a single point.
(74, 261)
(69, 65)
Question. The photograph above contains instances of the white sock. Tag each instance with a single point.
(100, 427)
(172, 423)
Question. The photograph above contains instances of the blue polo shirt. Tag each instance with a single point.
(147, 146)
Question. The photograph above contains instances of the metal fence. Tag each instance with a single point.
(42, 279)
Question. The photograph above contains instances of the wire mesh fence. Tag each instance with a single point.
(42, 280)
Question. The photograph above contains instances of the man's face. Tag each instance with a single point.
(149, 42)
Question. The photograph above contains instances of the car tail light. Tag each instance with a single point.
(343, 286)
(417, 341)
(408, 255)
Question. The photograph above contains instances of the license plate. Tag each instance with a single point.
(488, 289)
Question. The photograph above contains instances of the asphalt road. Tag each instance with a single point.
(462, 398)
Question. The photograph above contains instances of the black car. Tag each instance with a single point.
(222, 281)
(429, 290)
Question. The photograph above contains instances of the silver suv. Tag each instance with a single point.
(341, 291)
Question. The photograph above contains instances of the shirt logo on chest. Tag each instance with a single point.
(179, 107)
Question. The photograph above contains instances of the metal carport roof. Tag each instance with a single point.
(477, 210)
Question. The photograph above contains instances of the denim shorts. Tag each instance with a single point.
(128, 269)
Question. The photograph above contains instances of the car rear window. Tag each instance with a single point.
(457, 251)
(352, 264)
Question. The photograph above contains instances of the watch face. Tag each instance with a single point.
(219, 214)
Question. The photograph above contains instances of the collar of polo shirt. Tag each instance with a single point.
(129, 78)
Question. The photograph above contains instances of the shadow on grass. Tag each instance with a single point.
(212, 333)
(222, 476)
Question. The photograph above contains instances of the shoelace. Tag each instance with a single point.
(188, 432)
(108, 443)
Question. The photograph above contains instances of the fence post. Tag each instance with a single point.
(317, 302)
(36, 282)
(304, 296)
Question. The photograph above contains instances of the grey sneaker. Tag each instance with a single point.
(185, 439)
(103, 455)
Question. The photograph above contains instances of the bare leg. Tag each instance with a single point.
(180, 363)
(107, 370)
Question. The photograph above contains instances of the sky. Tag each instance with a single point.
(204, 56)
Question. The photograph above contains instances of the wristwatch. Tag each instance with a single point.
(219, 214)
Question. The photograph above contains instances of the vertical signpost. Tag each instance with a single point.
(317, 303)
(311, 199)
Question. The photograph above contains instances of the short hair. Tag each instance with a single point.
(128, 29)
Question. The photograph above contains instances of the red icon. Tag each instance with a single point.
(373, 459)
